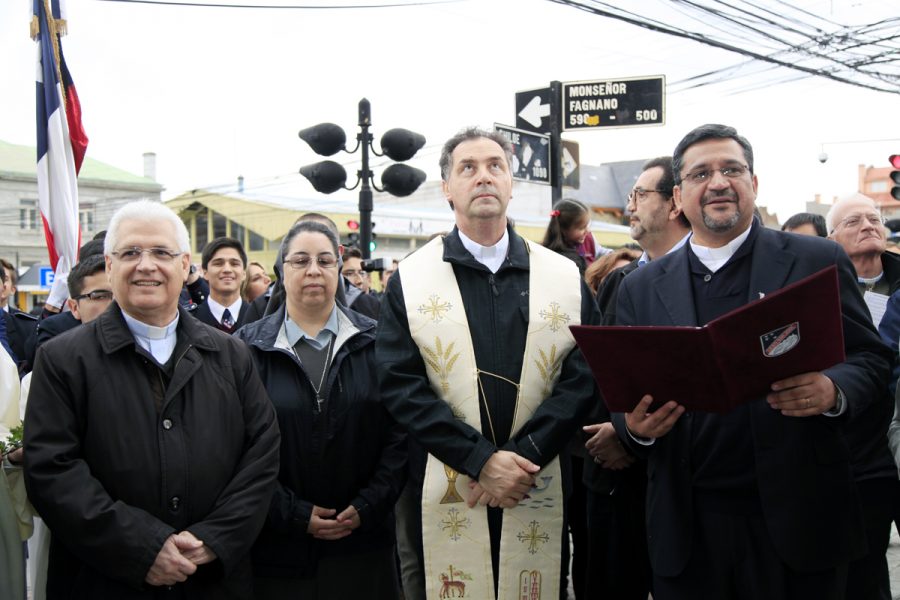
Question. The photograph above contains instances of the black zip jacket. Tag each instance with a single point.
(350, 452)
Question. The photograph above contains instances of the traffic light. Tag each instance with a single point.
(895, 176)
(328, 176)
(353, 225)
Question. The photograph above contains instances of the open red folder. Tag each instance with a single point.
(730, 360)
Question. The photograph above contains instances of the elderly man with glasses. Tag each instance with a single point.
(151, 448)
(855, 223)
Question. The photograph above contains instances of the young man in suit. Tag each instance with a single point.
(224, 263)
(759, 502)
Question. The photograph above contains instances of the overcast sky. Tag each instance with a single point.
(222, 92)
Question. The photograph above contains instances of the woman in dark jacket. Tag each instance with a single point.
(330, 529)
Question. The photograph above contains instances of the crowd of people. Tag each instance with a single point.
(206, 431)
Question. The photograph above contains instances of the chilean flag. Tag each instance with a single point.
(61, 141)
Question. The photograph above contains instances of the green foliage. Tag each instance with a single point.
(13, 440)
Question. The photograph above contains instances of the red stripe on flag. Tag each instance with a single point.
(51, 247)
(76, 129)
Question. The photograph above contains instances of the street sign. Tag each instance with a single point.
(570, 165)
(531, 154)
(613, 103)
(47, 276)
(534, 110)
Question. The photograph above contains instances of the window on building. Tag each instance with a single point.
(201, 231)
(257, 242)
(237, 232)
(28, 214)
(86, 218)
(220, 225)
(878, 186)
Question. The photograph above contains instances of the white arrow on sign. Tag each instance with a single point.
(568, 163)
(534, 112)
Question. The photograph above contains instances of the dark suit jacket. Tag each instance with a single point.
(47, 329)
(20, 328)
(203, 313)
(803, 469)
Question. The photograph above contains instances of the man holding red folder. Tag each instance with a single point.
(758, 502)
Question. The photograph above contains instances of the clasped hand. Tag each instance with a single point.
(178, 558)
(324, 525)
(504, 480)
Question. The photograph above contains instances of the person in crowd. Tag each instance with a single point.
(759, 502)
(566, 234)
(806, 224)
(570, 223)
(51, 325)
(224, 262)
(4, 338)
(655, 222)
(616, 479)
(492, 400)
(330, 529)
(856, 225)
(386, 275)
(151, 448)
(353, 270)
(597, 274)
(266, 305)
(355, 283)
(89, 288)
(20, 325)
(258, 281)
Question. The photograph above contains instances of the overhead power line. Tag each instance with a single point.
(865, 56)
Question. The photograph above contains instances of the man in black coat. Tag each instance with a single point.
(151, 447)
(616, 483)
(492, 266)
(760, 502)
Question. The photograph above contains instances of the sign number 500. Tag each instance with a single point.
(646, 115)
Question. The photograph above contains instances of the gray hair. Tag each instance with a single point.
(146, 211)
(829, 216)
(472, 133)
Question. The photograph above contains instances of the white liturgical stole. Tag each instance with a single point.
(456, 540)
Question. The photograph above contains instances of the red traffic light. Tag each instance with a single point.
(353, 225)
(895, 160)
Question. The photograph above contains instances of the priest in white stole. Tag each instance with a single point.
(480, 367)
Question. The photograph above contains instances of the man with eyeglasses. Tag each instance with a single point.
(759, 502)
(616, 484)
(151, 447)
(856, 224)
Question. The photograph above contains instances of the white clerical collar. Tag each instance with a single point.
(714, 258)
(158, 341)
(491, 257)
(870, 282)
(217, 309)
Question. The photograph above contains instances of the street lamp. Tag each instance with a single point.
(328, 176)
